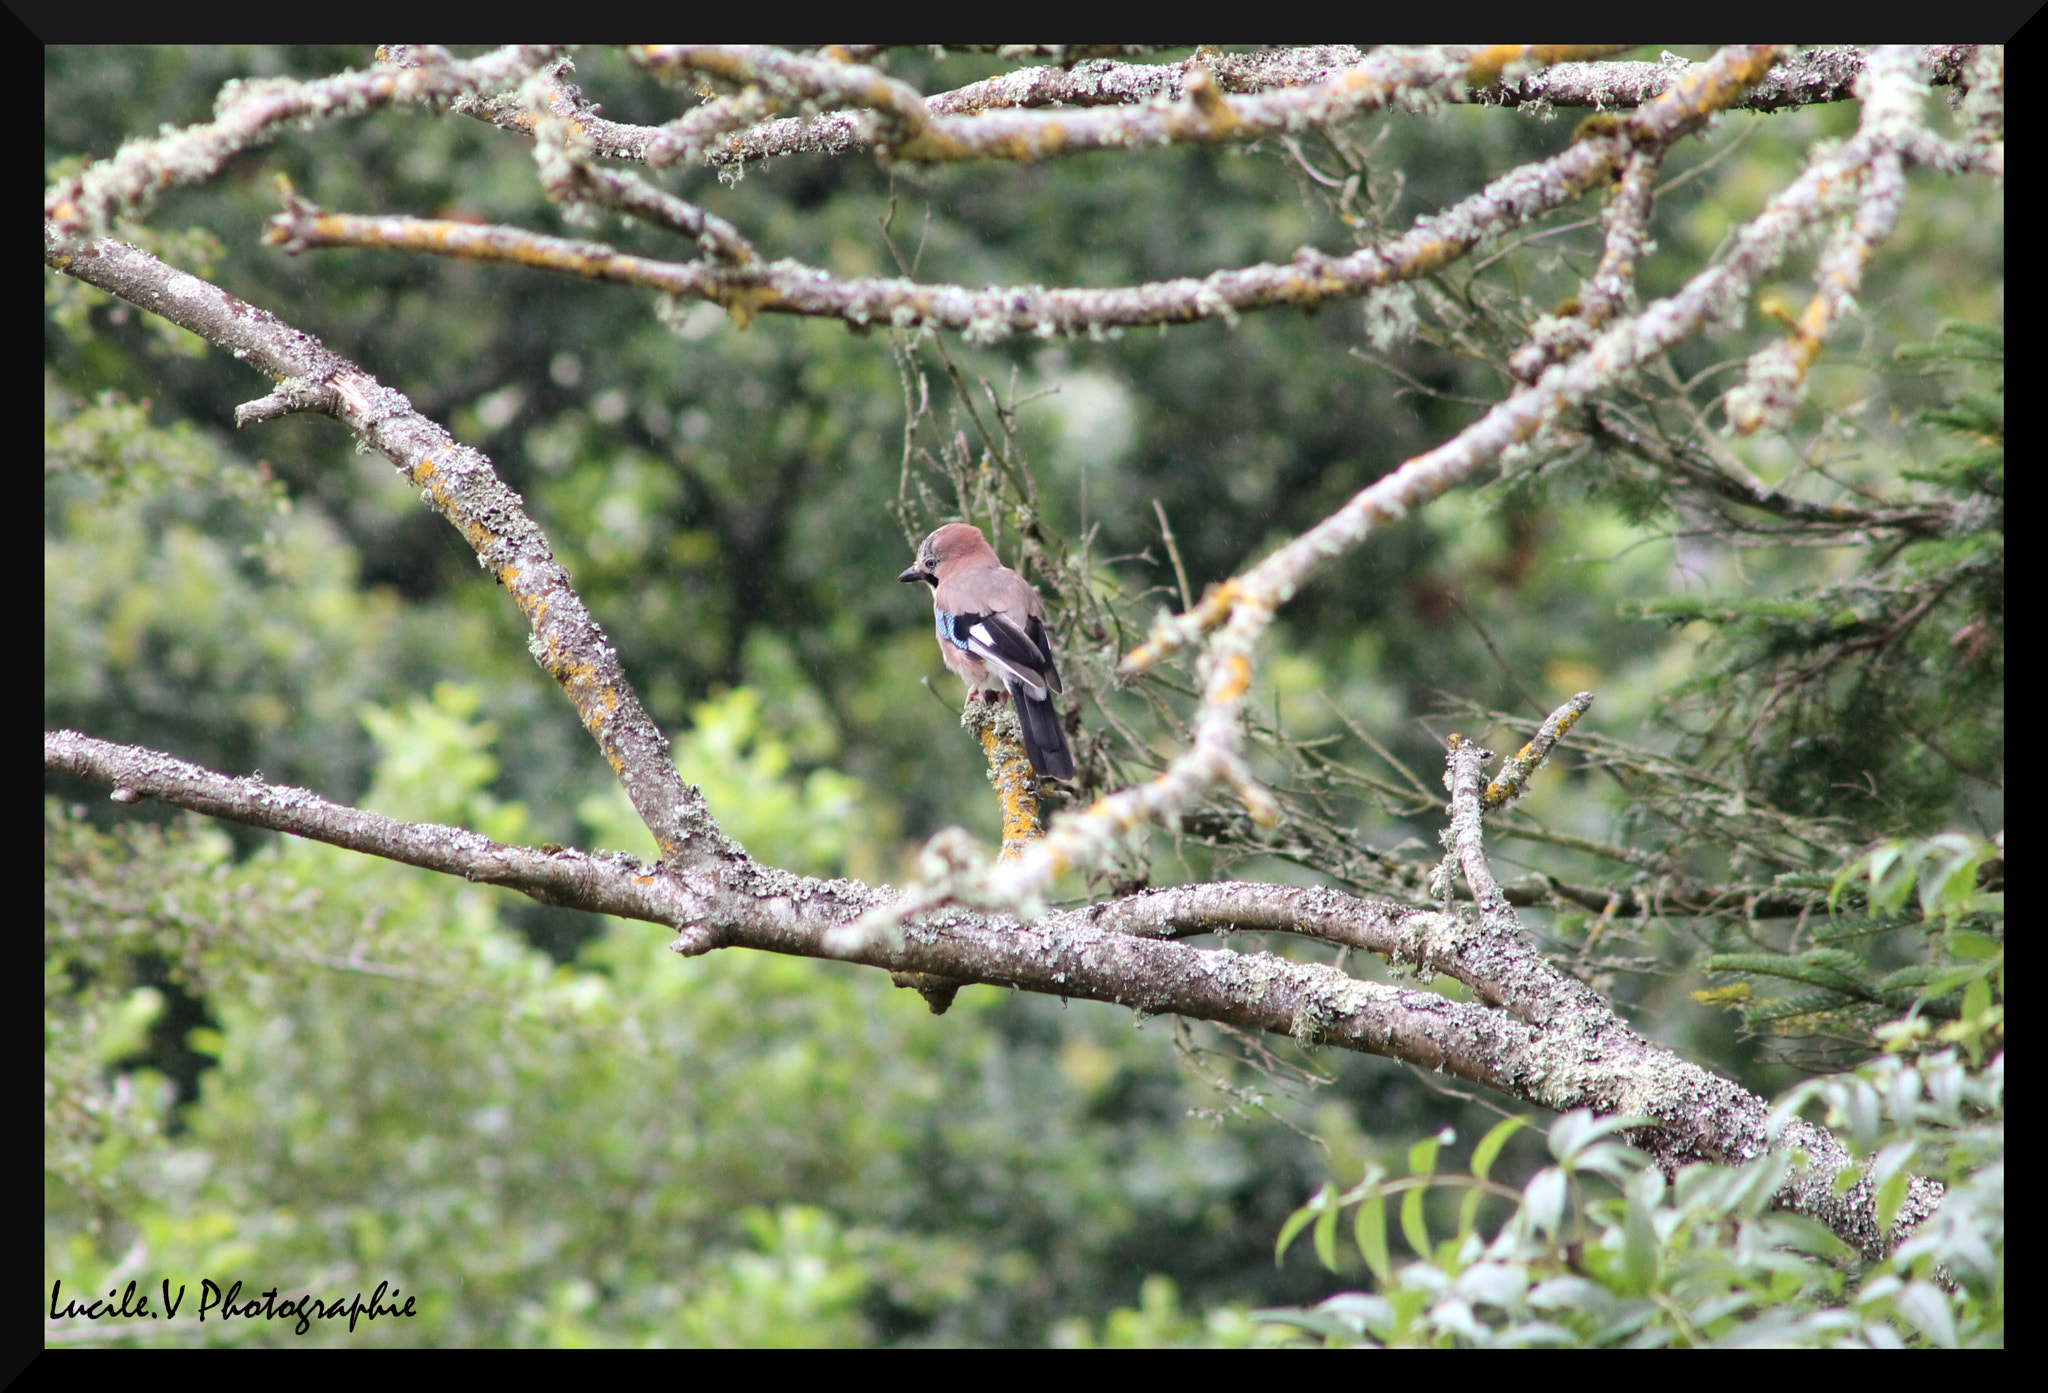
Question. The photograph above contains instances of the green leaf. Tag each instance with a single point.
(1315, 1322)
(1468, 1212)
(1489, 1148)
(1422, 1155)
(1326, 1231)
(1413, 1227)
(1299, 1219)
(1369, 1230)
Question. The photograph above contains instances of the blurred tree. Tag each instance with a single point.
(1780, 569)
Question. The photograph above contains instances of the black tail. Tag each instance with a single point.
(1045, 744)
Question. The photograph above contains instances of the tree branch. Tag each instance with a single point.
(253, 113)
(901, 125)
(1236, 613)
(1558, 1045)
(1807, 78)
(456, 481)
(1533, 1033)
(1311, 279)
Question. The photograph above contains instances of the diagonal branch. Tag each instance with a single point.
(1235, 614)
(255, 112)
(1610, 291)
(1534, 1033)
(456, 481)
(1311, 279)
(902, 125)
(722, 133)
(603, 884)
(1724, 477)
(1558, 1046)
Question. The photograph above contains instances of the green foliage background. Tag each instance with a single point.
(282, 1064)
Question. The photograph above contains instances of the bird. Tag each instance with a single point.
(992, 633)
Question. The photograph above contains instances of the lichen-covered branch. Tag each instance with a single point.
(573, 179)
(1807, 78)
(1610, 291)
(900, 124)
(1311, 279)
(1210, 97)
(458, 482)
(605, 883)
(1234, 614)
(996, 726)
(254, 113)
(1569, 1052)
(1530, 1031)
(1777, 374)
(1513, 780)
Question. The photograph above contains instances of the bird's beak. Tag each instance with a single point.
(914, 573)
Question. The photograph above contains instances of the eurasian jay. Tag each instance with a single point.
(992, 633)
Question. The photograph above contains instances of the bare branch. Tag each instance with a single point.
(253, 113)
(456, 481)
(1724, 477)
(1560, 1047)
(1237, 612)
(901, 125)
(1610, 291)
(1523, 763)
(1807, 78)
(603, 884)
(1533, 1032)
(985, 316)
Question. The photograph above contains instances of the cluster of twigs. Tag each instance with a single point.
(988, 923)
